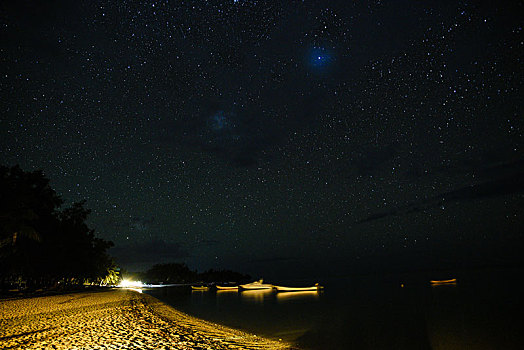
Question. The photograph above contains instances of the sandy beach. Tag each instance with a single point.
(116, 319)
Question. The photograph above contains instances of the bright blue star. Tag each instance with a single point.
(320, 57)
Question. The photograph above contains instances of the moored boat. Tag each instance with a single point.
(316, 287)
(257, 285)
(443, 282)
(227, 287)
(199, 288)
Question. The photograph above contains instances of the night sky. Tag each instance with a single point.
(275, 137)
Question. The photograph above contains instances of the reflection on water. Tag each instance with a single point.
(298, 296)
(256, 296)
(440, 283)
(478, 312)
(267, 295)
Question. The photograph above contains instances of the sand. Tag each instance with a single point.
(115, 319)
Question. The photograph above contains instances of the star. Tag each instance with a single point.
(252, 123)
(320, 58)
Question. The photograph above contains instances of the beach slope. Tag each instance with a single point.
(116, 319)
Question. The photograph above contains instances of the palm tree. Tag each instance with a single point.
(16, 224)
(24, 198)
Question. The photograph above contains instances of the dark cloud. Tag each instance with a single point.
(141, 223)
(499, 169)
(274, 259)
(494, 188)
(206, 243)
(370, 158)
(147, 253)
(120, 223)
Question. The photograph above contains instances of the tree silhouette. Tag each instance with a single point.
(180, 273)
(41, 245)
(170, 273)
(25, 198)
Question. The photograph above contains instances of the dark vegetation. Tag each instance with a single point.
(179, 273)
(43, 246)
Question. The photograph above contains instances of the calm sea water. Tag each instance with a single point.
(484, 310)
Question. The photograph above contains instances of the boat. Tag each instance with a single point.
(227, 287)
(199, 288)
(257, 285)
(316, 287)
(443, 282)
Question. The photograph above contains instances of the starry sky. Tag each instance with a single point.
(275, 137)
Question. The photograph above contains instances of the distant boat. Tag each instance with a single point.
(227, 287)
(257, 285)
(443, 282)
(316, 287)
(199, 288)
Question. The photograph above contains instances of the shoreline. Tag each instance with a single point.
(114, 319)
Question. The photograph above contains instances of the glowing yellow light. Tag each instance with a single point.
(130, 284)
(256, 295)
(450, 282)
(298, 295)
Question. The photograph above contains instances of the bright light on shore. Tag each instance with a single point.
(131, 284)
